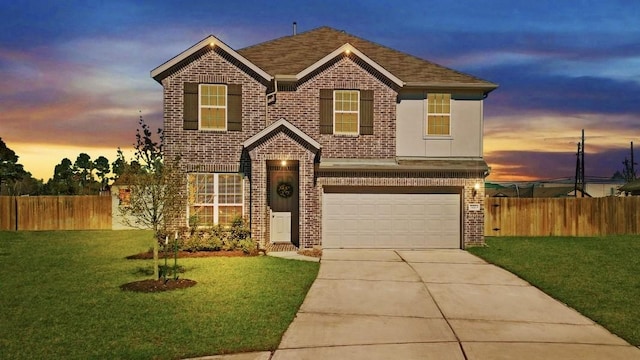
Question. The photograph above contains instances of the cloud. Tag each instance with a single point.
(530, 87)
(79, 75)
(600, 161)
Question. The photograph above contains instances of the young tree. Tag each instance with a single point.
(156, 184)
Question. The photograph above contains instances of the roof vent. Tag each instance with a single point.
(295, 28)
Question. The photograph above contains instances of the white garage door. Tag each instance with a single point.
(401, 221)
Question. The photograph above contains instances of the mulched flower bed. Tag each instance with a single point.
(311, 252)
(151, 285)
(190, 254)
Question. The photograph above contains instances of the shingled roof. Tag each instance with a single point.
(290, 55)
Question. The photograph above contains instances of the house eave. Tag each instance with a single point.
(160, 72)
(273, 127)
(469, 166)
(486, 87)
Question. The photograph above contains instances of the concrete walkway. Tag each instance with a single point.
(439, 304)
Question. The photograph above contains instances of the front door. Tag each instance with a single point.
(284, 196)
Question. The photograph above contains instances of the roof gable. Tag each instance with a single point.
(205, 44)
(282, 125)
(347, 49)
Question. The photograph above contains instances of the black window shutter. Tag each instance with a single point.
(190, 103)
(366, 112)
(234, 107)
(326, 111)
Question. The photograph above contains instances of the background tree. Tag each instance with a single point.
(118, 165)
(63, 181)
(83, 171)
(10, 170)
(628, 170)
(102, 168)
(28, 185)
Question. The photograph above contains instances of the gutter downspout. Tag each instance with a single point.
(266, 106)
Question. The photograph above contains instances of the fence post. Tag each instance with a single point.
(15, 211)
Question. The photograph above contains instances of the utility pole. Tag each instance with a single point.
(577, 178)
(584, 183)
(633, 169)
(580, 181)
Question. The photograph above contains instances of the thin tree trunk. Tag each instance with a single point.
(156, 274)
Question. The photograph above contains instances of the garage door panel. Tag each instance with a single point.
(391, 220)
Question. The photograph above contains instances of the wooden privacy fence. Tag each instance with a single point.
(562, 216)
(503, 216)
(55, 213)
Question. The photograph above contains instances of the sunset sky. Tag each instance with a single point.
(74, 75)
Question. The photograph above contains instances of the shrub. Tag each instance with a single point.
(239, 229)
(195, 242)
(248, 246)
(237, 236)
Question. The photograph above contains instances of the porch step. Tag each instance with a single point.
(279, 247)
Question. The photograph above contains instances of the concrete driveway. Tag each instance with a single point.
(436, 304)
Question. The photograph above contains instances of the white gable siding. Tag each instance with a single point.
(466, 129)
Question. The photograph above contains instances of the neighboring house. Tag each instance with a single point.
(533, 192)
(595, 187)
(558, 191)
(326, 139)
(120, 196)
(631, 188)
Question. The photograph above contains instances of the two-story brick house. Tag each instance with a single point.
(326, 139)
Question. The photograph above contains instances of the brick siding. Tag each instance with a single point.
(213, 151)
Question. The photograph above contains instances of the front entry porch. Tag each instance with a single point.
(283, 200)
(283, 197)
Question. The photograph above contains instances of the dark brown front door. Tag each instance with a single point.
(283, 192)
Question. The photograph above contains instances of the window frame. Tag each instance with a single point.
(428, 114)
(225, 107)
(335, 111)
(215, 204)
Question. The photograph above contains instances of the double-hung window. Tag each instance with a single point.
(213, 107)
(214, 198)
(346, 112)
(438, 115)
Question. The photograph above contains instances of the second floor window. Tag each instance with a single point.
(438, 115)
(346, 112)
(346, 107)
(213, 107)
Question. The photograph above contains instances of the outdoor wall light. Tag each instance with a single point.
(476, 187)
(283, 162)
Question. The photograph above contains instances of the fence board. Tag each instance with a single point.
(55, 213)
(7, 213)
(562, 216)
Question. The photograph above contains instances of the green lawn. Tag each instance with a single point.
(599, 276)
(60, 298)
